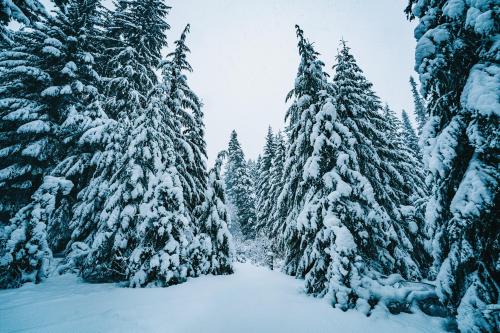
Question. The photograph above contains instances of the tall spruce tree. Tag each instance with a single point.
(346, 199)
(264, 200)
(239, 188)
(394, 177)
(411, 208)
(66, 104)
(130, 77)
(214, 220)
(86, 119)
(409, 134)
(310, 84)
(120, 180)
(186, 105)
(27, 144)
(318, 246)
(420, 112)
(457, 60)
(162, 234)
(273, 226)
(56, 91)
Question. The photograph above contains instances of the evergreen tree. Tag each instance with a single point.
(25, 254)
(214, 220)
(186, 105)
(334, 194)
(273, 226)
(50, 93)
(135, 39)
(343, 224)
(410, 135)
(253, 170)
(164, 231)
(22, 11)
(145, 232)
(310, 85)
(254, 176)
(414, 192)
(383, 159)
(457, 60)
(239, 188)
(420, 111)
(264, 200)
(130, 78)
(27, 146)
(78, 22)
(119, 168)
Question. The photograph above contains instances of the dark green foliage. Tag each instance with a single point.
(264, 182)
(409, 134)
(187, 107)
(239, 188)
(420, 112)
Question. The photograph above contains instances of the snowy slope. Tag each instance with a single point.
(252, 300)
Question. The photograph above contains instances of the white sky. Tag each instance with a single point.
(245, 58)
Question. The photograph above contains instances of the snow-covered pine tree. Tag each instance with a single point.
(22, 11)
(253, 167)
(135, 37)
(457, 60)
(239, 188)
(273, 226)
(160, 231)
(310, 85)
(26, 141)
(336, 222)
(186, 105)
(412, 205)
(213, 223)
(129, 78)
(348, 197)
(87, 131)
(384, 161)
(409, 134)
(48, 83)
(24, 252)
(76, 95)
(183, 104)
(67, 100)
(264, 200)
(420, 112)
(118, 184)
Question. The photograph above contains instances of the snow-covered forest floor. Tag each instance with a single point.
(254, 299)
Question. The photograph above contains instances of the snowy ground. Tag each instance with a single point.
(252, 300)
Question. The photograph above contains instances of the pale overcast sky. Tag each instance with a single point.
(245, 57)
